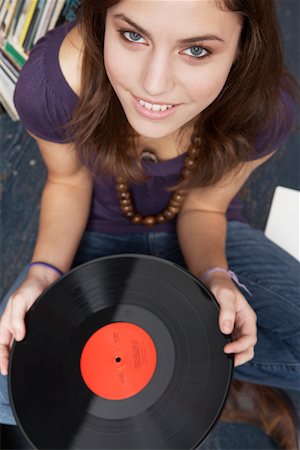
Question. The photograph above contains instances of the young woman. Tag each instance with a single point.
(150, 117)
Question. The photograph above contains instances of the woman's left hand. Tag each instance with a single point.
(236, 317)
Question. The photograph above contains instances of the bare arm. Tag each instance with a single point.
(202, 221)
(65, 208)
(202, 235)
(65, 205)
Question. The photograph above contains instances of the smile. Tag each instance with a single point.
(154, 111)
(154, 106)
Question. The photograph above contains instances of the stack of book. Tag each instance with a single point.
(22, 24)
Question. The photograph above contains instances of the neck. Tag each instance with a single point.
(167, 147)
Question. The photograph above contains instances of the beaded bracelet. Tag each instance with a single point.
(230, 273)
(49, 266)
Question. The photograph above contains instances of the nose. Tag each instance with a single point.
(157, 75)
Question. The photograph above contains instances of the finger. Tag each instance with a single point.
(242, 344)
(242, 358)
(5, 340)
(18, 311)
(4, 357)
(226, 298)
(247, 321)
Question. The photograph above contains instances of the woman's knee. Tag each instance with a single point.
(263, 264)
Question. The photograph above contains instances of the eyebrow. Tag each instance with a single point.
(206, 37)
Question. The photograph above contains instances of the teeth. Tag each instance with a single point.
(157, 107)
(153, 106)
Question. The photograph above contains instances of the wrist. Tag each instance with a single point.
(45, 272)
(215, 276)
(214, 273)
(215, 279)
(217, 273)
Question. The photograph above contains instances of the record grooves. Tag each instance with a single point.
(123, 352)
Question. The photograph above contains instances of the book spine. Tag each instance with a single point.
(7, 70)
(9, 63)
(6, 94)
(20, 24)
(30, 29)
(16, 17)
(40, 9)
(10, 60)
(42, 29)
(28, 18)
(4, 11)
(15, 54)
(56, 13)
(11, 15)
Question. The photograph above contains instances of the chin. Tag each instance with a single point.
(159, 129)
(153, 130)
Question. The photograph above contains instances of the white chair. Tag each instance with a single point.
(283, 223)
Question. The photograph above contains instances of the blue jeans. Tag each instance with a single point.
(270, 274)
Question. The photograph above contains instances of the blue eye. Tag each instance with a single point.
(132, 36)
(197, 52)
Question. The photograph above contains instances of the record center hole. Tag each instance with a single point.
(118, 359)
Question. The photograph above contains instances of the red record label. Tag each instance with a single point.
(118, 361)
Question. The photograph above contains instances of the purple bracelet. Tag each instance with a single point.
(49, 266)
(230, 273)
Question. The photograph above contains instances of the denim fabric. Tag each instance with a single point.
(270, 274)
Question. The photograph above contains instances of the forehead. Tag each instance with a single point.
(179, 16)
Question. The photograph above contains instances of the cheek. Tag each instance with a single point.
(110, 63)
(117, 63)
(208, 83)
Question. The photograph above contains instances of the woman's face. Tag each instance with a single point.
(168, 60)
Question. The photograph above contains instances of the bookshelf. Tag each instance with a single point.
(22, 24)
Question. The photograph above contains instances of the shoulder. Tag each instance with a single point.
(43, 97)
(70, 58)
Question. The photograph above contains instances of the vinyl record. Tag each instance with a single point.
(123, 352)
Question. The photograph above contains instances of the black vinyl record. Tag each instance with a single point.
(123, 352)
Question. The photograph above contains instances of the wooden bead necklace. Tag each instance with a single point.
(173, 208)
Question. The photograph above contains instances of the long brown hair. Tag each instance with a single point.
(251, 103)
(268, 408)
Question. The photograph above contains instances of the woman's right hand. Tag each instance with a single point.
(12, 322)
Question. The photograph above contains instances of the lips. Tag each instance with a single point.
(155, 106)
(154, 111)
